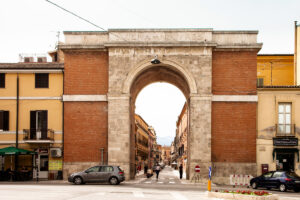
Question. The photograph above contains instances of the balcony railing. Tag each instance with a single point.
(285, 129)
(38, 135)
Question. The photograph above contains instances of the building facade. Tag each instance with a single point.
(142, 138)
(275, 69)
(31, 112)
(278, 129)
(166, 155)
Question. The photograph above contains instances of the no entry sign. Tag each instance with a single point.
(197, 168)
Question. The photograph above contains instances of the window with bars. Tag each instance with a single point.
(42, 80)
(2, 80)
(284, 118)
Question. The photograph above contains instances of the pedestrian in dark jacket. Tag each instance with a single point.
(180, 171)
(157, 170)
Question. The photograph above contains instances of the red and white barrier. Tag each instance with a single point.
(240, 179)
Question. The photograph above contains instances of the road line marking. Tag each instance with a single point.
(172, 182)
(138, 194)
(178, 196)
(160, 182)
(148, 182)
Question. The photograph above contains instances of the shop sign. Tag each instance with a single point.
(55, 165)
(285, 141)
(43, 150)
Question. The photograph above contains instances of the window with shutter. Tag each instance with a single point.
(2, 80)
(42, 80)
(4, 120)
(260, 82)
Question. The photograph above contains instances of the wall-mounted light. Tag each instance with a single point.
(155, 60)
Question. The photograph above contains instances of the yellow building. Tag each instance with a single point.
(278, 124)
(142, 142)
(297, 54)
(275, 69)
(39, 125)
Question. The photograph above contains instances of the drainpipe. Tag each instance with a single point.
(295, 54)
(17, 123)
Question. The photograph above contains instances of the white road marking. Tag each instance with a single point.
(160, 182)
(171, 178)
(178, 196)
(148, 182)
(172, 182)
(138, 194)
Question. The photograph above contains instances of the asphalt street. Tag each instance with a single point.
(167, 186)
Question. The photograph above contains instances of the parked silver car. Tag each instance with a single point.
(105, 173)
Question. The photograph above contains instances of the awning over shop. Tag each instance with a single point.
(15, 151)
(286, 150)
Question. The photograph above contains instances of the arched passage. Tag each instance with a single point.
(122, 109)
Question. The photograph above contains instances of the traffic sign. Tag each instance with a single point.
(197, 168)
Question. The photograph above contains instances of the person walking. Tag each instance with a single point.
(180, 171)
(157, 170)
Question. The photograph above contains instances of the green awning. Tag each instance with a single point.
(15, 151)
(286, 150)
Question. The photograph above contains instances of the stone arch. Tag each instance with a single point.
(136, 71)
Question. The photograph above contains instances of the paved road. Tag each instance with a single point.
(167, 187)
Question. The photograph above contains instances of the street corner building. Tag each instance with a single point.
(31, 112)
(105, 71)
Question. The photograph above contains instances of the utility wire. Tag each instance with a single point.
(72, 13)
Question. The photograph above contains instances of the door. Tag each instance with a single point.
(265, 182)
(106, 172)
(285, 161)
(275, 179)
(92, 174)
(42, 164)
(38, 124)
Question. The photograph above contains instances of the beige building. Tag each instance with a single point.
(278, 124)
(166, 155)
(297, 54)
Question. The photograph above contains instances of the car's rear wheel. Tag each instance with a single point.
(113, 181)
(78, 180)
(282, 187)
(297, 189)
(254, 185)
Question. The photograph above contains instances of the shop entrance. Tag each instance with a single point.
(285, 161)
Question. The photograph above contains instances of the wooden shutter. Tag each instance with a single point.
(1, 120)
(44, 118)
(32, 124)
(2, 80)
(6, 120)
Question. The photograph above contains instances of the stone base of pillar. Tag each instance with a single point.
(221, 171)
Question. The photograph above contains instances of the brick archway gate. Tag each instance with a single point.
(216, 71)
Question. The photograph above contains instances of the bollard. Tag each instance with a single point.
(209, 185)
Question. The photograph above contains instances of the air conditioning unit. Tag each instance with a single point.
(55, 153)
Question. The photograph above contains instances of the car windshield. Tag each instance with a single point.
(292, 175)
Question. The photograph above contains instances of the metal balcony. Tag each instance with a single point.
(285, 130)
(38, 136)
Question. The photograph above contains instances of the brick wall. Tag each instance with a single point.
(86, 72)
(234, 73)
(234, 123)
(85, 123)
(85, 131)
(233, 132)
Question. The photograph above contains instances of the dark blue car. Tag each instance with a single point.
(281, 180)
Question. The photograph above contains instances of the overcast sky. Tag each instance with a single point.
(31, 26)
